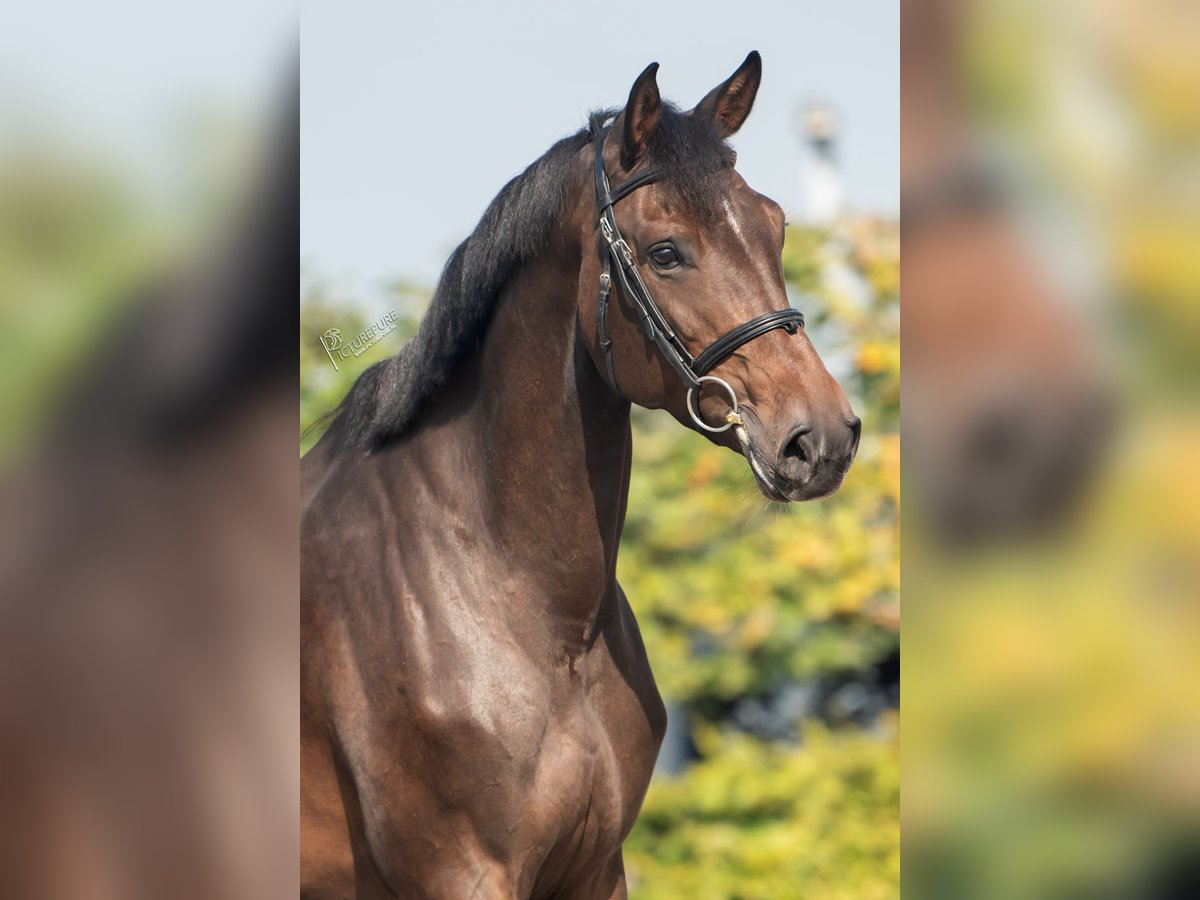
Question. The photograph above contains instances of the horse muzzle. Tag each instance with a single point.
(809, 462)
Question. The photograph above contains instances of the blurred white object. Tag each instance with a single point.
(822, 182)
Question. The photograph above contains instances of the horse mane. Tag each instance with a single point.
(388, 397)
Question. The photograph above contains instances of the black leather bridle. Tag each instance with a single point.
(692, 369)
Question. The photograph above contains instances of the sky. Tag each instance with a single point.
(121, 79)
(415, 115)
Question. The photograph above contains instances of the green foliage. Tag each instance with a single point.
(802, 258)
(758, 821)
(737, 597)
(321, 385)
(83, 240)
(75, 243)
(848, 283)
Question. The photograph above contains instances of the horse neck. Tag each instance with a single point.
(546, 442)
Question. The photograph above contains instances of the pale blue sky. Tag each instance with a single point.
(151, 91)
(414, 115)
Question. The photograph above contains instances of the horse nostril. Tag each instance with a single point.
(855, 429)
(797, 446)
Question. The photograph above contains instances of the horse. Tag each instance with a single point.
(478, 714)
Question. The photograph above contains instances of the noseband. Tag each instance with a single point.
(692, 369)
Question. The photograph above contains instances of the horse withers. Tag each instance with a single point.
(478, 715)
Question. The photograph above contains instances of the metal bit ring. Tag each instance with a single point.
(695, 414)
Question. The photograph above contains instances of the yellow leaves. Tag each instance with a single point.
(884, 276)
(770, 822)
(755, 628)
(1157, 66)
(1069, 671)
(1156, 256)
(878, 357)
(889, 464)
(735, 597)
(801, 257)
(876, 253)
(801, 552)
(872, 357)
(711, 615)
(706, 468)
(852, 592)
(1013, 651)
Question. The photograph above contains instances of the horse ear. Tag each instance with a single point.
(729, 103)
(641, 115)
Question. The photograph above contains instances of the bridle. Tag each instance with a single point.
(692, 369)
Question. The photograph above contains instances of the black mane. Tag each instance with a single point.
(388, 397)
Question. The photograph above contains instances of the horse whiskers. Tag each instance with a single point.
(764, 479)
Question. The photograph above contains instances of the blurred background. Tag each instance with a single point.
(148, 514)
(1051, 541)
(773, 631)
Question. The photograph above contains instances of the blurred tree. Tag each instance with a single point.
(741, 602)
(760, 821)
(321, 385)
(75, 239)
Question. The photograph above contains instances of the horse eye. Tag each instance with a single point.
(664, 256)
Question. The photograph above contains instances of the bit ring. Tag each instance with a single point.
(694, 413)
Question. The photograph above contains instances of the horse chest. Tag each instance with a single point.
(592, 774)
(472, 742)
(568, 754)
(553, 770)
